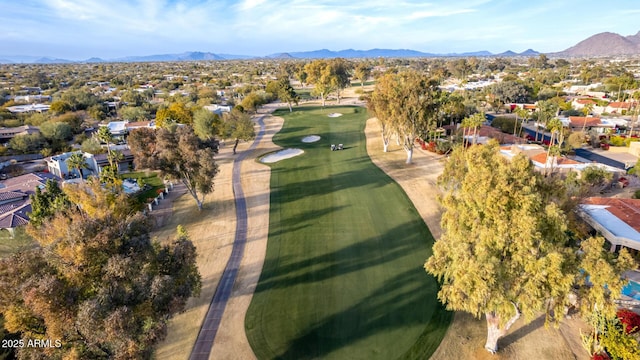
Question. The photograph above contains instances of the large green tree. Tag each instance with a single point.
(97, 286)
(178, 154)
(237, 125)
(383, 104)
(406, 104)
(327, 76)
(362, 72)
(498, 233)
(206, 124)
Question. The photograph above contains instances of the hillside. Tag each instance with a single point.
(604, 44)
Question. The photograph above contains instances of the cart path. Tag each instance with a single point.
(202, 348)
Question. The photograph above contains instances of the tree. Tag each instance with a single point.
(586, 110)
(252, 101)
(474, 122)
(508, 91)
(327, 76)
(406, 104)
(547, 110)
(60, 107)
(56, 131)
(27, 143)
(523, 114)
(382, 104)
(284, 91)
(78, 162)
(109, 173)
(92, 146)
(177, 112)
(556, 127)
(362, 72)
(97, 282)
(206, 124)
(503, 249)
(237, 125)
(179, 155)
(133, 113)
(339, 75)
(602, 281)
(45, 204)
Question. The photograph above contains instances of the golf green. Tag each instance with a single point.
(343, 275)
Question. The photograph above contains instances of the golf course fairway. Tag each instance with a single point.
(343, 276)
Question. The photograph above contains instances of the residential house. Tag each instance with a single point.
(617, 219)
(6, 134)
(31, 108)
(618, 107)
(538, 156)
(577, 123)
(140, 124)
(218, 109)
(15, 204)
(57, 164)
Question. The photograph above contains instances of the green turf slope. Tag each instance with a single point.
(343, 276)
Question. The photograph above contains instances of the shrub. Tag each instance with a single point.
(600, 356)
(617, 141)
(636, 194)
(629, 319)
(505, 124)
(629, 140)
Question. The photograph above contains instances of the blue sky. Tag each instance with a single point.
(79, 29)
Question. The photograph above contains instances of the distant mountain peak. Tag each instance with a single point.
(605, 44)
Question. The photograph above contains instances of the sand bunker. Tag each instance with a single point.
(310, 138)
(281, 155)
(334, 115)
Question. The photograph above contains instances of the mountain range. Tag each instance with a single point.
(599, 45)
(315, 54)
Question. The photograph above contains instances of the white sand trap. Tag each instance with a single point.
(334, 115)
(310, 138)
(281, 155)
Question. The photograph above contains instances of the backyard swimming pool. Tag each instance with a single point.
(632, 290)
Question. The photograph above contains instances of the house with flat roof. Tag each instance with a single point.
(31, 108)
(94, 164)
(618, 220)
(6, 134)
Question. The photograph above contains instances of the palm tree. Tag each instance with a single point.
(556, 127)
(77, 161)
(522, 113)
(473, 122)
(586, 110)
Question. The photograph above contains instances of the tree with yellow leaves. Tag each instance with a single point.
(97, 285)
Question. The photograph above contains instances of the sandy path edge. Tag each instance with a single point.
(231, 340)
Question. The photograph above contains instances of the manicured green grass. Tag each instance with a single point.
(150, 178)
(343, 276)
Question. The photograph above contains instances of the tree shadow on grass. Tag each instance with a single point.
(383, 325)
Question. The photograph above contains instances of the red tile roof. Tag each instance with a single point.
(627, 210)
(585, 101)
(578, 121)
(542, 159)
(619, 105)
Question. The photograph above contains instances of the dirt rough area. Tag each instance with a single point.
(466, 336)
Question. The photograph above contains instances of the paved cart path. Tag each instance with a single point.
(207, 334)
